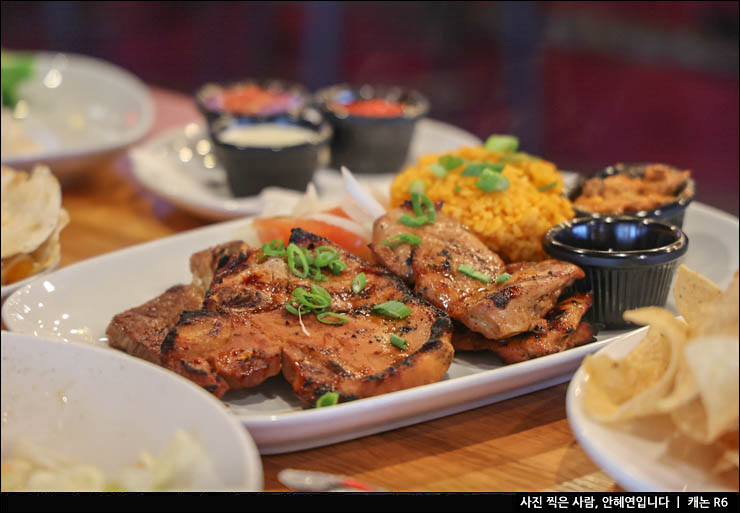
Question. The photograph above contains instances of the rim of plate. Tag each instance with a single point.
(114, 73)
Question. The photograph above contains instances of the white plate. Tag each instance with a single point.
(8, 289)
(179, 167)
(80, 110)
(78, 302)
(96, 406)
(639, 458)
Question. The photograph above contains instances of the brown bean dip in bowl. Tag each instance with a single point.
(653, 191)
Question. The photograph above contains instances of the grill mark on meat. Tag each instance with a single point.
(222, 261)
(169, 341)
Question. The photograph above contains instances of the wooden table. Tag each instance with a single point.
(522, 444)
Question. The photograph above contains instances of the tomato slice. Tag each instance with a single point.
(279, 228)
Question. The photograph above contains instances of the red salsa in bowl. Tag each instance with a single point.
(251, 98)
(373, 107)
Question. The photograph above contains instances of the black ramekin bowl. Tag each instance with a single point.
(250, 169)
(371, 144)
(670, 213)
(208, 98)
(629, 262)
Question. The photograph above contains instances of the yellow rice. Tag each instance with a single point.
(510, 222)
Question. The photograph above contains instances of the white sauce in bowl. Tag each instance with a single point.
(272, 135)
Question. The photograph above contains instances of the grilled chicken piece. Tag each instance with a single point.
(244, 334)
(496, 310)
(458, 244)
(563, 330)
(139, 331)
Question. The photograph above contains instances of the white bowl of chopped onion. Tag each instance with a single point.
(83, 418)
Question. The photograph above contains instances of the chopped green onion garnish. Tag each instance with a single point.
(492, 181)
(501, 278)
(414, 222)
(292, 309)
(450, 162)
(274, 248)
(297, 261)
(417, 187)
(358, 284)
(392, 309)
(469, 271)
(308, 255)
(502, 143)
(318, 299)
(324, 255)
(438, 170)
(396, 240)
(321, 292)
(328, 399)
(416, 203)
(547, 187)
(398, 341)
(317, 275)
(332, 318)
(458, 188)
(337, 266)
(429, 208)
(476, 168)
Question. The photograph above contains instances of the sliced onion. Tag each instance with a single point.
(343, 223)
(308, 203)
(361, 195)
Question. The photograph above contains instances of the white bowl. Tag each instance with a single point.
(102, 407)
(81, 110)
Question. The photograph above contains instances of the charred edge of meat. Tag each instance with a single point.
(502, 297)
(441, 325)
(211, 388)
(190, 368)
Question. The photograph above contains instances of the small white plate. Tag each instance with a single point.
(8, 289)
(98, 406)
(80, 110)
(641, 457)
(77, 303)
(178, 166)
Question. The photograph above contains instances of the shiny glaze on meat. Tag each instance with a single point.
(243, 334)
(496, 310)
(562, 329)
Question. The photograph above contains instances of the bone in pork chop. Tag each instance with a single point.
(244, 334)
(563, 329)
(496, 310)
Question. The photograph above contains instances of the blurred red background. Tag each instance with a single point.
(582, 84)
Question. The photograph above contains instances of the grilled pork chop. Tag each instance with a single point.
(243, 334)
(563, 330)
(496, 310)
